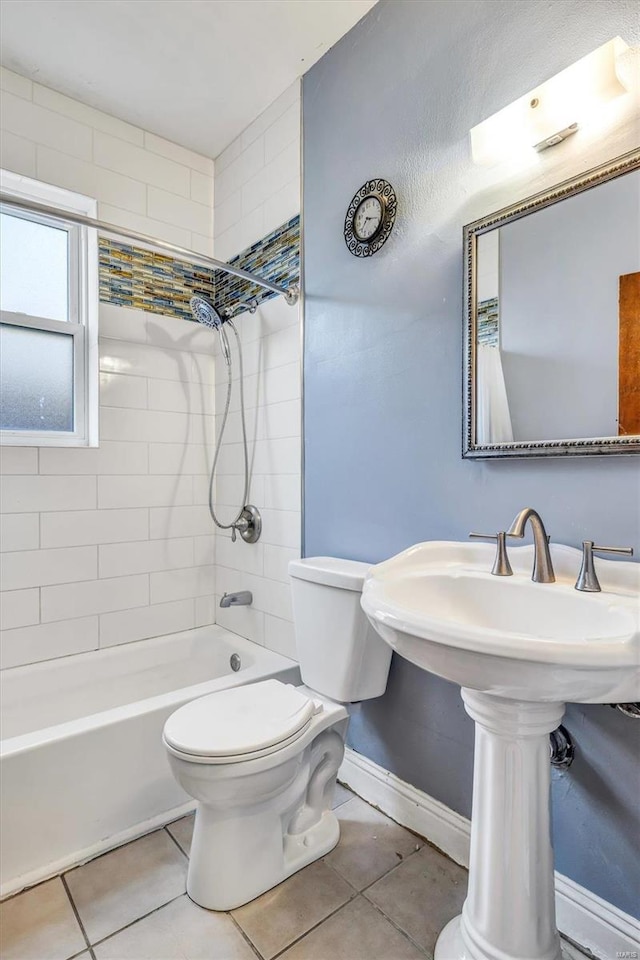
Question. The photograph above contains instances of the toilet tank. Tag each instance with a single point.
(340, 654)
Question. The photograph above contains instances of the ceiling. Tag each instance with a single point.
(194, 71)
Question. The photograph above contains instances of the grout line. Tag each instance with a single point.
(75, 910)
(347, 799)
(316, 925)
(356, 892)
(181, 849)
(404, 933)
(138, 919)
(244, 936)
(120, 846)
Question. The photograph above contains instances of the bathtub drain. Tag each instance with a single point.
(234, 662)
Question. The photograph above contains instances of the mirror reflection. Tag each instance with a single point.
(557, 320)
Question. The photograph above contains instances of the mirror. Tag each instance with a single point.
(552, 338)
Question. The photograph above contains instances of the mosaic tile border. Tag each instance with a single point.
(134, 277)
(487, 322)
(276, 257)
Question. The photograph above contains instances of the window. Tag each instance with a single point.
(48, 319)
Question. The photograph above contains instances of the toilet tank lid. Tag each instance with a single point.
(331, 571)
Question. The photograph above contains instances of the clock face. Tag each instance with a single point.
(368, 218)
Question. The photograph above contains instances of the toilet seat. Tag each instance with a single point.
(240, 724)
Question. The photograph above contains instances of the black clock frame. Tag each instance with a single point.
(384, 192)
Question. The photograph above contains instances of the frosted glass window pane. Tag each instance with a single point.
(34, 268)
(36, 379)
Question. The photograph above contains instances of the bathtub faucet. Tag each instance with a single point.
(241, 599)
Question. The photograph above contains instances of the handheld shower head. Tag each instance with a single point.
(206, 314)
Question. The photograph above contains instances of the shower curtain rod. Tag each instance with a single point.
(290, 294)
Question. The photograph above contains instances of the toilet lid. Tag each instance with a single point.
(241, 720)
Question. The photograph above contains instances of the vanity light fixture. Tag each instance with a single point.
(556, 109)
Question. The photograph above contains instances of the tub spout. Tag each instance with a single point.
(240, 599)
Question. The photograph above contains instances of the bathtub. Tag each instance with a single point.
(82, 765)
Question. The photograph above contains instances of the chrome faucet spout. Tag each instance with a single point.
(542, 563)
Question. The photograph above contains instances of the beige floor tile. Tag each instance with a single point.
(182, 831)
(283, 914)
(179, 931)
(370, 844)
(40, 925)
(127, 883)
(422, 895)
(357, 932)
(341, 795)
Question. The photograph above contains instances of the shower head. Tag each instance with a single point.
(205, 313)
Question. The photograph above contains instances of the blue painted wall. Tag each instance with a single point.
(396, 98)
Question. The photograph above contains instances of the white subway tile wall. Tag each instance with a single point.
(106, 546)
(257, 185)
(257, 189)
(86, 532)
(139, 180)
(115, 544)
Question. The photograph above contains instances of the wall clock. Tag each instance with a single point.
(370, 218)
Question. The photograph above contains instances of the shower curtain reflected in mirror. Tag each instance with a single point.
(493, 420)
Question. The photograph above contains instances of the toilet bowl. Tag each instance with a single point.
(262, 759)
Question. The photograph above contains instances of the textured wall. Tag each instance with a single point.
(396, 98)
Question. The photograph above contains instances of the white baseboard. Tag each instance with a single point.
(581, 915)
(595, 924)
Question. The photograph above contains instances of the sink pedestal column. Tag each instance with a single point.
(509, 913)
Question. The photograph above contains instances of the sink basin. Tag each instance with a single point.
(519, 650)
(438, 606)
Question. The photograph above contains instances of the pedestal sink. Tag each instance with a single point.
(519, 650)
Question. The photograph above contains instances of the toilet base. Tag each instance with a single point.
(221, 887)
(260, 820)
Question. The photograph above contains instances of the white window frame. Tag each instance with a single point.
(82, 324)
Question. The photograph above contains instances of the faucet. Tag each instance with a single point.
(240, 599)
(542, 565)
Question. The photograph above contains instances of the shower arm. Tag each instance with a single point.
(290, 294)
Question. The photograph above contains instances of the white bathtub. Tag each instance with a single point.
(82, 766)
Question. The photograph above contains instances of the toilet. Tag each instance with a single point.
(262, 759)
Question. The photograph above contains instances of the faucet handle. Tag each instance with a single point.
(501, 565)
(587, 581)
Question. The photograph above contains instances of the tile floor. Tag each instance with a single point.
(382, 894)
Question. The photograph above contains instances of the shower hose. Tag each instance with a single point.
(234, 523)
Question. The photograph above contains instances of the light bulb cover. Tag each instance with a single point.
(549, 113)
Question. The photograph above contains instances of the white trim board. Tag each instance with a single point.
(582, 916)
